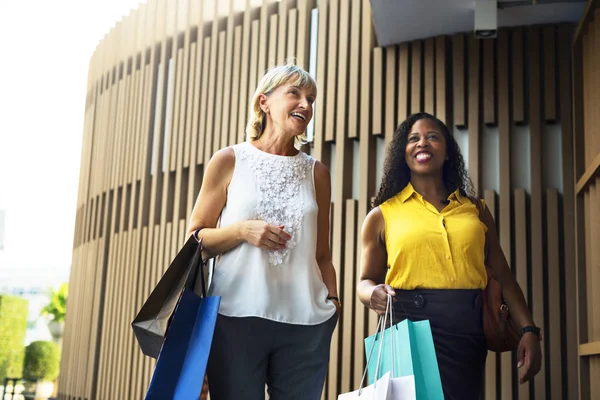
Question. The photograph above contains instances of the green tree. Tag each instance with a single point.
(57, 307)
(13, 325)
(42, 361)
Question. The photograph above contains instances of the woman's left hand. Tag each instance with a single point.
(338, 306)
(529, 356)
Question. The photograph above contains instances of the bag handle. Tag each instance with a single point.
(381, 327)
(480, 211)
(197, 268)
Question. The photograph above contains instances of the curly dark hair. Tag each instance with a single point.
(396, 174)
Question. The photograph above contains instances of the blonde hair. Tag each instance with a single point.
(274, 78)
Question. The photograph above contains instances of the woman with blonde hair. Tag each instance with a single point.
(263, 212)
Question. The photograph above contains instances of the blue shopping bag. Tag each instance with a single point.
(181, 365)
(413, 354)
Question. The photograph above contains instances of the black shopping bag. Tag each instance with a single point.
(152, 321)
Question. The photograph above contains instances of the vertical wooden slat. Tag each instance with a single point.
(319, 151)
(203, 145)
(281, 31)
(176, 105)
(403, 83)
(377, 128)
(521, 263)
(549, 55)
(474, 119)
(537, 258)
(355, 81)
(504, 215)
(292, 35)
(273, 39)
(332, 68)
(341, 101)
(342, 190)
(228, 78)
(366, 184)
(234, 128)
(390, 93)
(518, 82)
(219, 95)
(491, 370)
(429, 79)
(568, 228)
(416, 86)
(592, 198)
(264, 38)
(244, 92)
(304, 8)
(554, 356)
(212, 80)
(489, 89)
(348, 317)
(458, 71)
(441, 79)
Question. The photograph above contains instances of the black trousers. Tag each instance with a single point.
(249, 352)
(455, 316)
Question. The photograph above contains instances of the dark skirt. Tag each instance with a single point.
(456, 325)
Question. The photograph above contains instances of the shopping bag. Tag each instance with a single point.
(183, 358)
(380, 390)
(151, 323)
(388, 386)
(413, 354)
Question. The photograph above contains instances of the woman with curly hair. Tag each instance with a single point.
(423, 244)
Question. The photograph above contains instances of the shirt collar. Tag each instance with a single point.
(409, 191)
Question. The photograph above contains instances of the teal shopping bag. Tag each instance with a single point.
(410, 346)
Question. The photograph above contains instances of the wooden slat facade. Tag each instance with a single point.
(586, 132)
(158, 108)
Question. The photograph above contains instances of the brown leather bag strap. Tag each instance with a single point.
(481, 210)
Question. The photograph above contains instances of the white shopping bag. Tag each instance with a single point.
(386, 387)
(380, 390)
(403, 388)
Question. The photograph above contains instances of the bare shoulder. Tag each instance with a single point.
(374, 218)
(219, 169)
(321, 172)
(224, 158)
(374, 225)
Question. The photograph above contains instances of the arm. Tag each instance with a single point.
(529, 353)
(323, 256)
(511, 291)
(211, 201)
(372, 291)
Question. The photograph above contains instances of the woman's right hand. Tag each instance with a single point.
(379, 295)
(264, 235)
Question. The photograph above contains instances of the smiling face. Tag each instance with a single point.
(288, 108)
(425, 148)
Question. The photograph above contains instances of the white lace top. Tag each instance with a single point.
(285, 285)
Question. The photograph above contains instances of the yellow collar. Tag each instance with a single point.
(409, 191)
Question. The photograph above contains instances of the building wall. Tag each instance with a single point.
(587, 173)
(168, 87)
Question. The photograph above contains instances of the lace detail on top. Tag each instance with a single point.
(278, 179)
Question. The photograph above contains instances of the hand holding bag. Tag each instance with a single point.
(388, 387)
(180, 370)
(501, 331)
(413, 355)
(152, 321)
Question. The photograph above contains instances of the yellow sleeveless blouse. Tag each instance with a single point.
(429, 249)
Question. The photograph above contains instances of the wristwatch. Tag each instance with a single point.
(533, 329)
(336, 299)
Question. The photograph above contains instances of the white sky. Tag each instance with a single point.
(45, 48)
